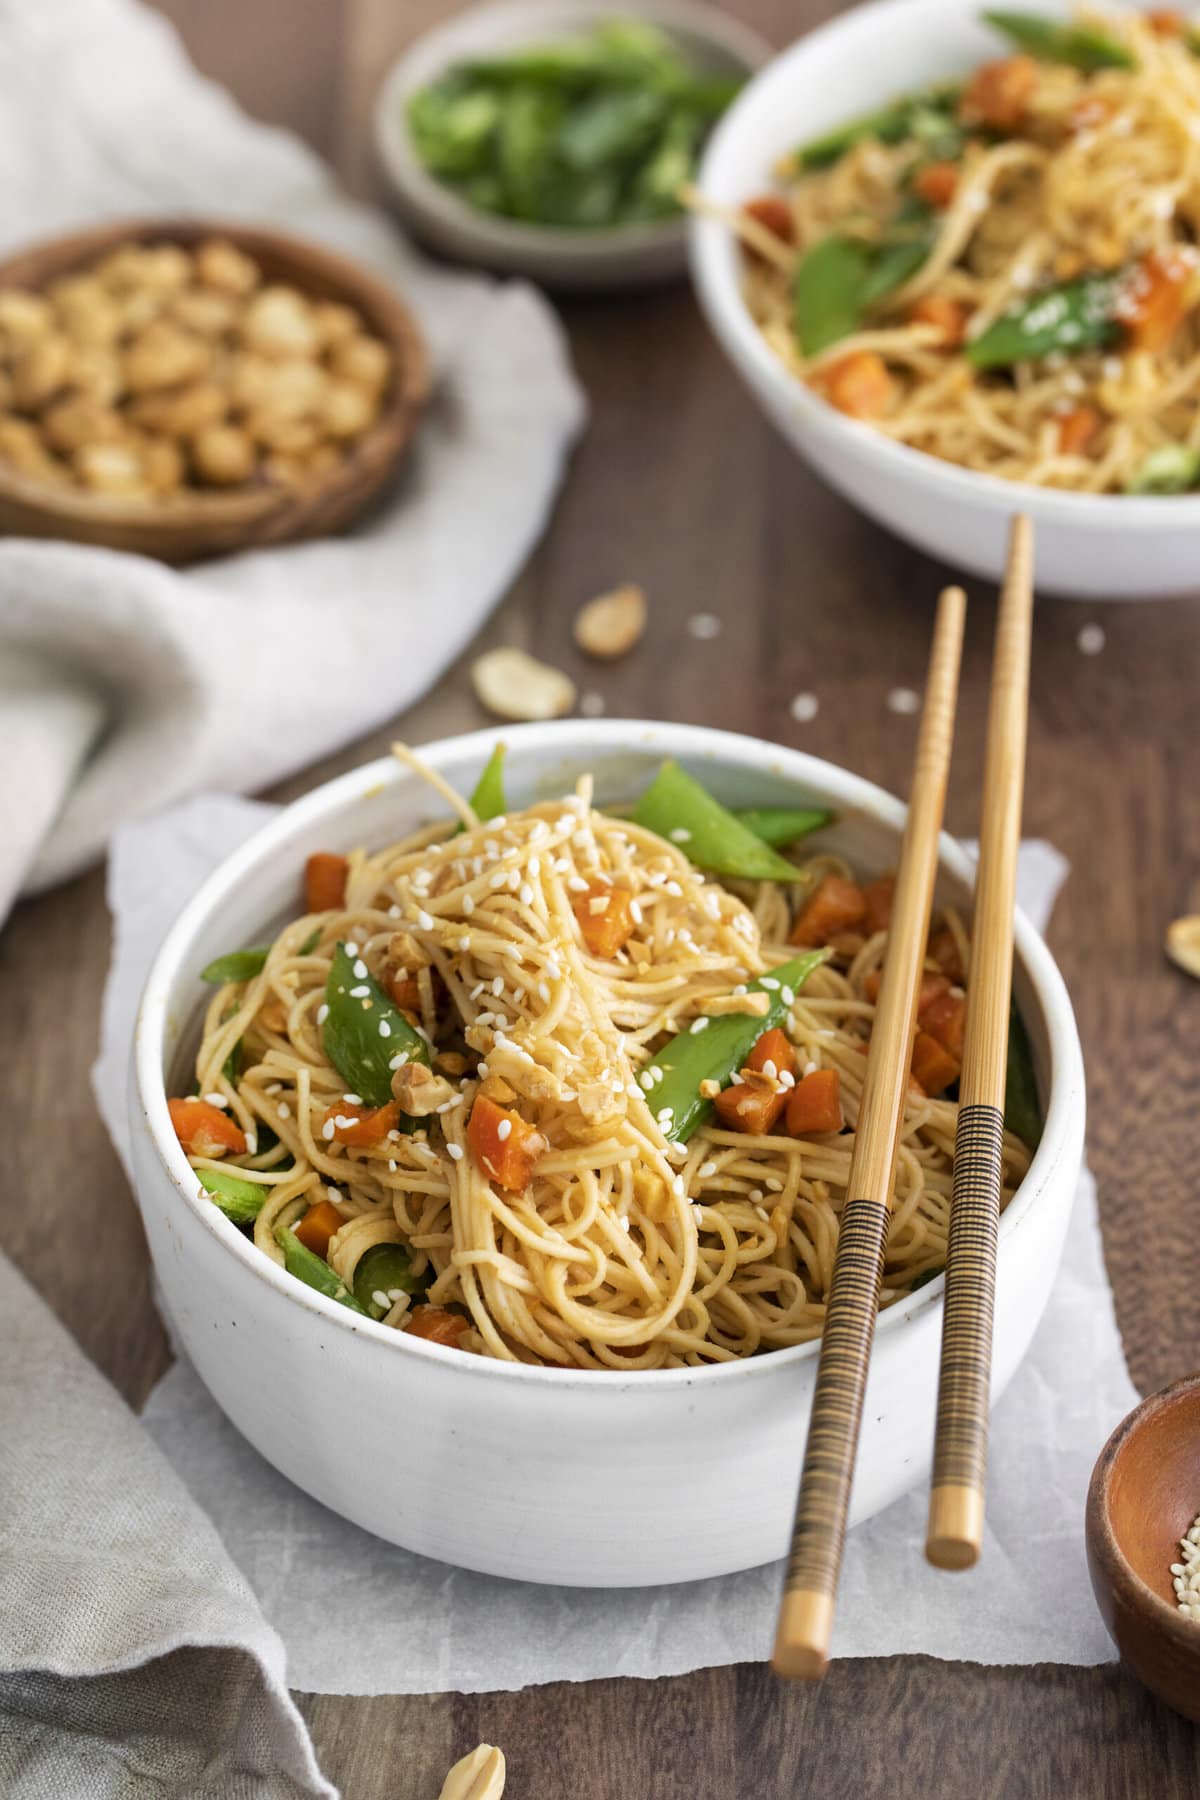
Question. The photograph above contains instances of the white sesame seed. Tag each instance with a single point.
(468, 906)
(454, 1152)
(769, 1069)
(903, 700)
(698, 1025)
(646, 1079)
(359, 993)
(379, 1298)
(328, 1129)
(804, 708)
(216, 1100)
(482, 1071)
(504, 1130)
(353, 1099)
(525, 896)
(591, 704)
(351, 950)
(704, 626)
(385, 1029)
(673, 888)
(361, 970)
(424, 921)
(1091, 639)
(322, 1013)
(706, 1170)
(285, 1111)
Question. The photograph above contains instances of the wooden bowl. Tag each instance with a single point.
(185, 527)
(1144, 1496)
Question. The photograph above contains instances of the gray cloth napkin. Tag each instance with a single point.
(134, 1659)
(123, 684)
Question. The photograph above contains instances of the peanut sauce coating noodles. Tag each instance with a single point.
(538, 1085)
(1002, 269)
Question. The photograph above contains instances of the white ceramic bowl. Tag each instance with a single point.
(633, 256)
(1104, 546)
(590, 1478)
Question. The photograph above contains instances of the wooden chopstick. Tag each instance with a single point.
(806, 1612)
(956, 1501)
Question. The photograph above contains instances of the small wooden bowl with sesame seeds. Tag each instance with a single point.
(270, 505)
(1143, 1500)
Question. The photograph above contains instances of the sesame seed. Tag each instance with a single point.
(328, 1129)
(706, 1170)
(769, 982)
(322, 1013)
(359, 993)
(646, 1080)
(1091, 639)
(454, 1152)
(285, 1111)
(351, 950)
(504, 1130)
(525, 896)
(903, 700)
(804, 708)
(360, 971)
(385, 1029)
(353, 1099)
(673, 888)
(216, 1100)
(468, 906)
(704, 626)
(498, 985)
(424, 921)
(697, 1026)
(482, 1071)
(770, 1069)
(591, 704)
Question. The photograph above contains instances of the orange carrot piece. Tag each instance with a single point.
(933, 1065)
(754, 1109)
(436, 1325)
(999, 92)
(948, 316)
(318, 1226)
(504, 1145)
(361, 1126)
(877, 899)
(1077, 428)
(325, 882)
(837, 905)
(859, 384)
(774, 1048)
(936, 183)
(816, 1104)
(205, 1130)
(774, 214)
(945, 1018)
(931, 986)
(605, 917)
(944, 951)
(1154, 299)
(1165, 22)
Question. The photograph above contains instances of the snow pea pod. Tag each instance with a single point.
(890, 124)
(382, 1269)
(838, 281)
(236, 965)
(1079, 46)
(240, 1201)
(1171, 469)
(1022, 1109)
(312, 1270)
(679, 809)
(714, 1049)
(364, 1032)
(777, 825)
(487, 800)
(1078, 315)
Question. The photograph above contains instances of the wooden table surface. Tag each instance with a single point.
(680, 485)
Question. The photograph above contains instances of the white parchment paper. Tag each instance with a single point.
(360, 1616)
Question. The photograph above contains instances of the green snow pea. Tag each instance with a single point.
(1171, 469)
(487, 800)
(1079, 46)
(364, 1032)
(312, 1270)
(680, 810)
(1022, 1109)
(715, 1051)
(1077, 315)
(909, 115)
(240, 1200)
(777, 825)
(236, 965)
(382, 1269)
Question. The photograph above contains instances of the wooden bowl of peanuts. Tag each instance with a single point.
(187, 389)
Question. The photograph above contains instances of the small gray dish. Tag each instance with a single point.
(628, 256)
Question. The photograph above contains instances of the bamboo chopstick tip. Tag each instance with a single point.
(955, 1531)
(802, 1641)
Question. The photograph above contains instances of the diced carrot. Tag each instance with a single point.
(436, 1325)
(936, 182)
(999, 92)
(945, 1018)
(933, 1065)
(837, 905)
(1154, 298)
(325, 881)
(1165, 22)
(877, 899)
(504, 1145)
(931, 986)
(774, 1048)
(741, 1107)
(815, 1104)
(358, 1125)
(1077, 428)
(859, 384)
(944, 951)
(773, 213)
(948, 316)
(318, 1226)
(605, 917)
(205, 1130)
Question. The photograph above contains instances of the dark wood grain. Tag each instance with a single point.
(680, 485)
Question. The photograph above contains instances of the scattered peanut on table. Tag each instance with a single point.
(1183, 943)
(479, 1776)
(157, 370)
(514, 685)
(610, 625)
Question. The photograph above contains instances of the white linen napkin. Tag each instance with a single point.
(123, 684)
(371, 1618)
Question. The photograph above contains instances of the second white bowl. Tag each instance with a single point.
(1104, 546)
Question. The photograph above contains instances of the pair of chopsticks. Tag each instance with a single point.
(956, 1509)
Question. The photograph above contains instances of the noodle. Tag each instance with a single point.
(1100, 176)
(625, 1250)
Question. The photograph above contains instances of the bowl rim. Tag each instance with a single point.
(583, 737)
(433, 52)
(714, 273)
(1101, 1535)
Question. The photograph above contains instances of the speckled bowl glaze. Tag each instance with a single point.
(588, 1478)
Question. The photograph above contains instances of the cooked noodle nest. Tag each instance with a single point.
(626, 1251)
